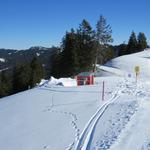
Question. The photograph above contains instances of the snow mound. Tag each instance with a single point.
(37, 54)
(68, 82)
(2, 60)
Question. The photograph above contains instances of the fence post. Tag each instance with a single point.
(103, 91)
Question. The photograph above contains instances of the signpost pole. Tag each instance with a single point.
(137, 71)
(136, 77)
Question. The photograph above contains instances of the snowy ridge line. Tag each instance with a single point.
(115, 71)
(87, 133)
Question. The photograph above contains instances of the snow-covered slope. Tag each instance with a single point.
(49, 117)
(56, 116)
(125, 65)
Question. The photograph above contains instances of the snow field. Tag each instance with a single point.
(54, 117)
(49, 117)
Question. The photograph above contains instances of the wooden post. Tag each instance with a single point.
(136, 76)
(103, 91)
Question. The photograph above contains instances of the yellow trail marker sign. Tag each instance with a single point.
(137, 69)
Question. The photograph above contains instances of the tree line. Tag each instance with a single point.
(22, 77)
(135, 44)
(83, 48)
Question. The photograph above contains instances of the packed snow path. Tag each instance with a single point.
(95, 136)
(127, 127)
(87, 134)
(137, 132)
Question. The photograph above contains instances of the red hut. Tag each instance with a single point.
(85, 78)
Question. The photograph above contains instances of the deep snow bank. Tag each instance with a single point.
(68, 82)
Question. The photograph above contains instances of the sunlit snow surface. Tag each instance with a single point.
(56, 116)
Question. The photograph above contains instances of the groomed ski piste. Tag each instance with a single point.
(59, 115)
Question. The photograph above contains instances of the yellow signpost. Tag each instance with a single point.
(137, 71)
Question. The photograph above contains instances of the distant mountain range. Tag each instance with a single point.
(9, 58)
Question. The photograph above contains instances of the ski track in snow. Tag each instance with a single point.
(87, 134)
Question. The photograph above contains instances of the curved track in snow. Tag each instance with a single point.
(86, 136)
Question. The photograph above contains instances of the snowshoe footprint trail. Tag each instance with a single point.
(141, 141)
(115, 124)
(124, 115)
(73, 123)
(86, 136)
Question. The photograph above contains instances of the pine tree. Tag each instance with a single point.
(21, 77)
(104, 31)
(69, 59)
(122, 49)
(56, 64)
(132, 44)
(87, 43)
(142, 41)
(78, 50)
(104, 37)
(37, 72)
(5, 85)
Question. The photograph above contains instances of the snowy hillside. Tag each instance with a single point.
(58, 115)
(127, 63)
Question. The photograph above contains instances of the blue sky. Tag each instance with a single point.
(26, 23)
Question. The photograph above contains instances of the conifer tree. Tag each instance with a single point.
(104, 37)
(132, 44)
(142, 41)
(5, 85)
(69, 59)
(122, 49)
(37, 72)
(87, 43)
(56, 64)
(21, 77)
(104, 31)
(78, 50)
